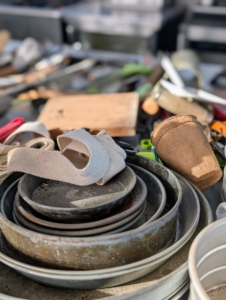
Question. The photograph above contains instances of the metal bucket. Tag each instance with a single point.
(207, 261)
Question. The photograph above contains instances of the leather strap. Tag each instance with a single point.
(24, 136)
(83, 159)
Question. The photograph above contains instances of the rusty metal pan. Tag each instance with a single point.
(156, 193)
(132, 224)
(113, 228)
(107, 251)
(67, 202)
(131, 204)
(115, 276)
(166, 177)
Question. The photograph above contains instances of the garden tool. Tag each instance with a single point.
(217, 149)
(171, 71)
(145, 90)
(175, 105)
(26, 54)
(9, 128)
(150, 152)
(7, 95)
(4, 38)
(219, 127)
(192, 93)
(186, 63)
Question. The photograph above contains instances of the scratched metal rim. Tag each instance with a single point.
(152, 183)
(113, 228)
(28, 182)
(132, 203)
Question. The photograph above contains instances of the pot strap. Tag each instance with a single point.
(25, 136)
(83, 159)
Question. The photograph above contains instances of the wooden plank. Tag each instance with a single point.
(117, 113)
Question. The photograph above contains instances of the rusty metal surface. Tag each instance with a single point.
(119, 275)
(93, 253)
(109, 229)
(97, 205)
(132, 203)
(156, 192)
(162, 288)
(166, 176)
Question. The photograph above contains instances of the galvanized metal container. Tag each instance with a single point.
(207, 261)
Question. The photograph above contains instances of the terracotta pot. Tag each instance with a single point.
(182, 145)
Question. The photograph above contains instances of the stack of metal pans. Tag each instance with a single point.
(79, 211)
(67, 202)
(90, 253)
(123, 217)
(176, 282)
(178, 220)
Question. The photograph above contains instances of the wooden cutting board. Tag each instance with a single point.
(116, 113)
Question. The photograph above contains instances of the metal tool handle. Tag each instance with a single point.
(179, 106)
(23, 87)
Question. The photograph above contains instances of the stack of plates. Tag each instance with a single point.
(135, 252)
(87, 211)
(123, 217)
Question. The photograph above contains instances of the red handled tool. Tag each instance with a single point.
(9, 128)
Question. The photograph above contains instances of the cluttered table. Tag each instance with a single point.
(110, 165)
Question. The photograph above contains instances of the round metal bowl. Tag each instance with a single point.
(107, 251)
(117, 275)
(156, 193)
(101, 200)
(109, 229)
(207, 260)
(132, 203)
(166, 177)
